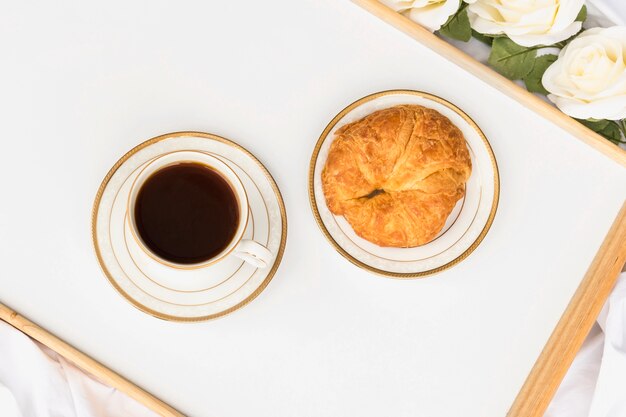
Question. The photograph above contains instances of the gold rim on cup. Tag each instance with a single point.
(139, 241)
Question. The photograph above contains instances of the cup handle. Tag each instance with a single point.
(254, 253)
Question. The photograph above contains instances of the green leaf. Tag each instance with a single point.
(533, 79)
(582, 14)
(458, 27)
(593, 124)
(611, 132)
(607, 128)
(510, 59)
(483, 38)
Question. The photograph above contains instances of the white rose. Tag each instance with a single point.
(431, 14)
(527, 22)
(588, 80)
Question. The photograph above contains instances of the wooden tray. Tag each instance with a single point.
(577, 320)
(77, 103)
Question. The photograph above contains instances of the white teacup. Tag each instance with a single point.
(248, 250)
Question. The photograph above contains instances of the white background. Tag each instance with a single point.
(80, 84)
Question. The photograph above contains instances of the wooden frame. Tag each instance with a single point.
(574, 325)
(582, 311)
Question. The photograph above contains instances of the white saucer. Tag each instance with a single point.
(466, 226)
(180, 294)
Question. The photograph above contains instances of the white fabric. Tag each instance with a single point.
(595, 385)
(36, 382)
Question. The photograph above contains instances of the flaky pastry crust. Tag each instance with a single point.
(396, 174)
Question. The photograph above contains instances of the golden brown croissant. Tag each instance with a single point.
(396, 174)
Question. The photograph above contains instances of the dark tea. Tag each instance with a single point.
(186, 213)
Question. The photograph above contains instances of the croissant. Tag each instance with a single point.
(396, 174)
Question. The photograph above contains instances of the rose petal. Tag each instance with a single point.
(527, 22)
(613, 108)
(568, 10)
(588, 80)
(546, 39)
(397, 5)
(538, 21)
(434, 15)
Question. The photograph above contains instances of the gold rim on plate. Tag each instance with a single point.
(342, 251)
(132, 301)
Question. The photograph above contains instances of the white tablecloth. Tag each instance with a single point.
(36, 382)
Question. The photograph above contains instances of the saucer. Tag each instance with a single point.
(186, 294)
(467, 224)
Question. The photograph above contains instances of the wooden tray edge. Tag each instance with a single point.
(496, 80)
(574, 325)
(86, 363)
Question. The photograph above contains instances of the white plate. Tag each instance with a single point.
(466, 226)
(176, 294)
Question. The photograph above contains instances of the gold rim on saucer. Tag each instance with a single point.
(209, 136)
(342, 251)
(145, 275)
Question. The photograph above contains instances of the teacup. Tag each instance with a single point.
(182, 198)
